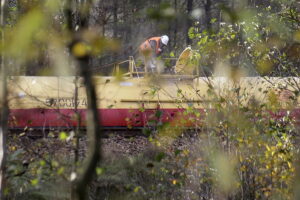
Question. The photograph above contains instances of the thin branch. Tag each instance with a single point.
(93, 127)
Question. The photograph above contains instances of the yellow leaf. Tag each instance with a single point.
(272, 153)
(241, 158)
(174, 182)
(297, 36)
(264, 66)
(243, 168)
(80, 49)
(13, 148)
(289, 164)
(186, 152)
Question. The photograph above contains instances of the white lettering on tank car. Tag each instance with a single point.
(65, 102)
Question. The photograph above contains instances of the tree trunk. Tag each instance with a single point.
(207, 8)
(93, 132)
(189, 24)
(175, 26)
(115, 16)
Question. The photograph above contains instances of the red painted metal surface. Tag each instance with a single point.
(51, 118)
(20, 118)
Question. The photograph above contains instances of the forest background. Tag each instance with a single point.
(242, 25)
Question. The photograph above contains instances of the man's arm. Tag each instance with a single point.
(157, 51)
(160, 47)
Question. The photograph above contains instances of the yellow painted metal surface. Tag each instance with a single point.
(165, 91)
(183, 64)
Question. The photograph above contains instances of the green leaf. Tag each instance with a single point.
(213, 20)
(34, 182)
(99, 171)
(191, 33)
(158, 113)
(25, 33)
(42, 163)
(15, 155)
(177, 152)
(160, 156)
(136, 189)
(172, 55)
(14, 8)
(63, 136)
(60, 170)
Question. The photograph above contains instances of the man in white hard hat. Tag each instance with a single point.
(151, 49)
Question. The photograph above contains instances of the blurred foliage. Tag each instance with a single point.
(240, 152)
(261, 41)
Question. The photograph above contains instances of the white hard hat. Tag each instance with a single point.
(165, 39)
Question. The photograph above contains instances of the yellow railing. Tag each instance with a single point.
(133, 70)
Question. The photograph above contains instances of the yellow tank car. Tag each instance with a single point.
(137, 101)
